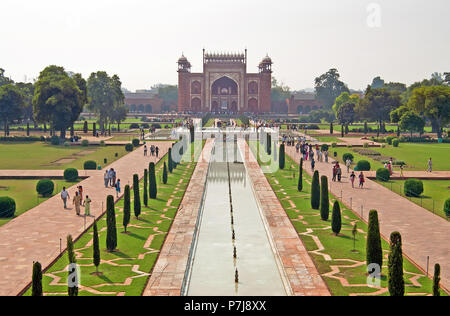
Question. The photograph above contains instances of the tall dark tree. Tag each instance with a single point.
(165, 173)
(336, 221)
(96, 248)
(324, 199)
(396, 281)
(36, 284)
(436, 280)
(282, 158)
(170, 161)
(300, 177)
(331, 128)
(12, 104)
(269, 144)
(85, 127)
(374, 251)
(73, 288)
(27, 90)
(315, 191)
(137, 196)
(145, 187)
(329, 87)
(3, 79)
(111, 230)
(126, 208)
(94, 129)
(153, 189)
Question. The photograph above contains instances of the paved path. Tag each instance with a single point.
(42, 174)
(36, 234)
(299, 269)
(424, 234)
(170, 269)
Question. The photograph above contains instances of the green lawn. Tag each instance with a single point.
(41, 156)
(25, 195)
(328, 139)
(436, 192)
(351, 265)
(132, 262)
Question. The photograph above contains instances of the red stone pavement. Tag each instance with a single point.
(423, 233)
(299, 269)
(170, 269)
(35, 235)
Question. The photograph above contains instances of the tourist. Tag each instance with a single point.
(80, 193)
(339, 172)
(157, 151)
(313, 164)
(352, 179)
(326, 156)
(430, 165)
(152, 150)
(401, 171)
(348, 163)
(106, 177)
(77, 203)
(297, 147)
(334, 172)
(64, 197)
(118, 187)
(114, 176)
(390, 168)
(145, 150)
(87, 206)
(311, 154)
(361, 180)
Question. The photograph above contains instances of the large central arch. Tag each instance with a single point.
(224, 95)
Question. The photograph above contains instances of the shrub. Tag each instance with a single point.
(71, 174)
(413, 188)
(363, 165)
(66, 144)
(116, 155)
(395, 264)
(396, 142)
(55, 140)
(374, 252)
(383, 175)
(315, 191)
(145, 125)
(129, 147)
(325, 147)
(335, 154)
(347, 156)
(447, 207)
(333, 145)
(105, 161)
(324, 199)
(102, 143)
(336, 221)
(136, 142)
(134, 126)
(111, 231)
(85, 143)
(170, 161)
(366, 145)
(45, 187)
(389, 139)
(7, 207)
(90, 165)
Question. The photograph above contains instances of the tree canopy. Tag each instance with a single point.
(12, 104)
(377, 104)
(329, 87)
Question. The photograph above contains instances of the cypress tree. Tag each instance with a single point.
(342, 131)
(170, 162)
(336, 222)
(36, 289)
(126, 207)
(137, 197)
(374, 252)
(72, 291)
(111, 231)
(354, 232)
(85, 127)
(96, 248)
(366, 128)
(282, 158)
(436, 280)
(145, 187)
(153, 189)
(300, 177)
(165, 173)
(28, 129)
(94, 129)
(396, 281)
(331, 128)
(324, 199)
(315, 191)
(269, 144)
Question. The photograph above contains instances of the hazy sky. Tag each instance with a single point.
(141, 40)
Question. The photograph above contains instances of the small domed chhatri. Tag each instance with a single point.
(267, 60)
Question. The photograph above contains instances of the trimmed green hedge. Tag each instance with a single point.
(71, 174)
(396, 142)
(7, 207)
(347, 156)
(447, 207)
(90, 165)
(413, 188)
(45, 187)
(136, 142)
(129, 147)
(363, 165)
(383, 175)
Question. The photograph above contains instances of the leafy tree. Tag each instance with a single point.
(137, 197)
(374, 251)
(436, 280)
(36, 284)
(145, 187)
(396, 281)
(153, 189)
(126, 207)
(397, 114)
(4, 80)
(395, 86)
(434, 103)
(165, 173)
(324, 199)
(412, 122)
(169, 95)
(58, 98)
(336, 221)
(300, 177)
(27, 90)
(346, 114)
(329, 87)
(72, 291)
(12, 104)
(282, 159)
(96, 248)
(377, 83)
(315, 191)
(344, 98)
(111, 231)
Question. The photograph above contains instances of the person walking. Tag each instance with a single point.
(77, 203)
(64, 197)
(118, 188)
(430, 165)
(361, 180)
(313, 164)
(157, 151)
(114, 177)
(348, 163)
(401, 171)
(352, 179)
(326, 156)
(106, 177)
(80, 193)
(87, 206)
(145, 150)
(339, 173)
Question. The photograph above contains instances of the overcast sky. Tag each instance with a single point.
(141, 40)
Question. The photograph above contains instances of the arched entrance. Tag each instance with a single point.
(253, 105)
(224, 93)
(196, 105)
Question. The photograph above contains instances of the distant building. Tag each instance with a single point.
(224, 85)
(303, 103)
(147, 102)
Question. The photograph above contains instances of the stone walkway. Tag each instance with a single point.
(424, 234)
(170, 269)
(299, 269)
(43, 174)
(36, 234)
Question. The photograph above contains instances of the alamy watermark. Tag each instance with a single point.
(374, 15)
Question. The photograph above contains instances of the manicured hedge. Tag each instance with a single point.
(389, 139)
(347, 156)
(85, 143)
(129, 147)
(396, 142)
(413, 187)
(363, 165)
(383, 174)
(136, 142)
(134, 126)
(71, 174)
(7, 207)
(90, 165)
(45, 187)
(21, 139)
(447, 207)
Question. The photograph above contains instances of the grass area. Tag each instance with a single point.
(210, 123)
(338, 251)
(122, 138)
(436, 192)
(41, 156)
(25, 195)
(127, 270)
(328, 139)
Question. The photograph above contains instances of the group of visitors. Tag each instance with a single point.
(77, 201)
(111, 180)
(154, 151)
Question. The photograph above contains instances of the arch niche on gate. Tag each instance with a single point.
(253, 105)
(196, 105)
(225, 95)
